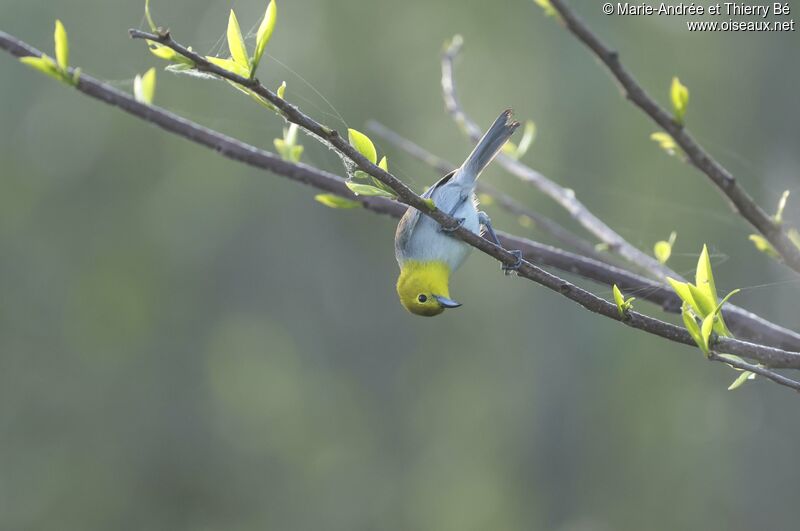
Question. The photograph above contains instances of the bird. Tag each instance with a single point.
(426, 253)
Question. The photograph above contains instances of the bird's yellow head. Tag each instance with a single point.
(423, 287)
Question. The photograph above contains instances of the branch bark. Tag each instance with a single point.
(744, 324)
(741, 202)
(563, 196)
(236, 150)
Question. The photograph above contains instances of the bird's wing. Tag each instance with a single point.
(409, 220)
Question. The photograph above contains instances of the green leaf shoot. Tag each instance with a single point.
(665, 142)
(62, 46)
(236, 43)
(690, 321)
(368, 190)
(43, 64)
(363, 145)
(144, 87)
(746, 375)
(281, 90)
(287, 146)
(548, 8)
(264, 33)
(679, 94)
(149, 17)
(763, 245)
(623, 304)
(781, 206)
(662, 250)
(335, 201)
(230, 65)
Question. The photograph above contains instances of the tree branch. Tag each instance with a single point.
(744, 324)
(776, 233)
(563, 196)
(547, 225)
(240, 151)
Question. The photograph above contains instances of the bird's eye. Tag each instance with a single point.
(422, 298)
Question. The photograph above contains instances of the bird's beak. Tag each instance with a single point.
(447, 303)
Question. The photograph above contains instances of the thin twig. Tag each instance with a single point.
(329, 182)
(776, 233)
(565, 197)
(505, 201)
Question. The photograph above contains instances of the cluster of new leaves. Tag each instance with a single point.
(144, 86)
(662, 250)
(701, 311)
(58, 68)
(623, 304)
(679, 95)
(762, 244)
(361, 183)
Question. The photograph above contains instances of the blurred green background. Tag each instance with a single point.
(189, 343)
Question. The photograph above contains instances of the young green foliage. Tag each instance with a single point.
(548, 8)
(701, 297)
(368, 190)
(623, 304)
(517, 151)
(264, 33)
(236, 44)
(287, 146)
(58, 68)
(778, 217)
(62, 46)
(662, 250)
(679, 95)
(335, 201)
(144, 86)
(763, 245)
(665, 142)
(363, 145)
(149, 17)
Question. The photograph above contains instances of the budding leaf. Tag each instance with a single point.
(429, 203)
(691, 325)
(264, 33)
(704, 277)
(230, 65)
(548, 8)
(623, 305)
(368, 190)
(705, 332)
(149, 18)
(763, 245)
(746, 375)
(680, 99)
(62, 46)
(43, 64)
(665, 142)
(781, 205)
(363, 145)
(144, 87)
(335, 201)
(236, 43)
(682, 289)
(281, 90)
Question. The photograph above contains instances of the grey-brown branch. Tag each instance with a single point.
(776, 233)
(744, 324)
(564, 197)
(253, 156)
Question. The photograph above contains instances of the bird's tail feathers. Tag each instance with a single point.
(488, 147)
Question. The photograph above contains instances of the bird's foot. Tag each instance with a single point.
(508, 269)
(453, 229)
